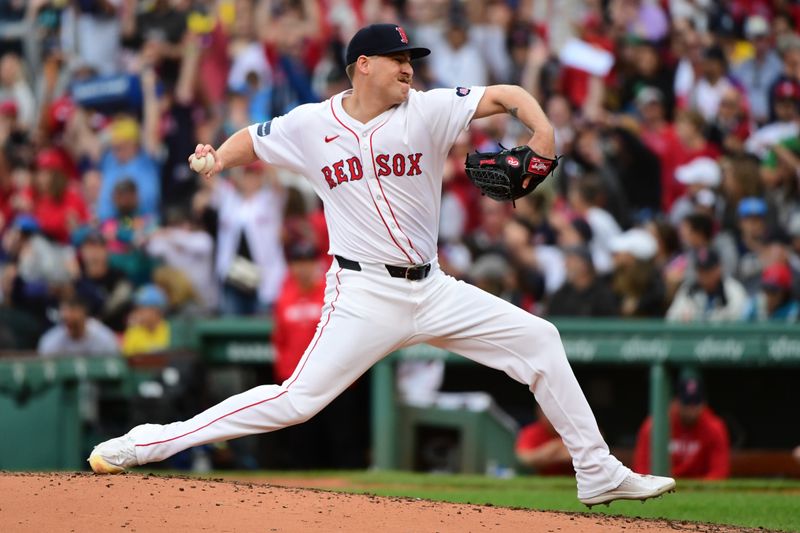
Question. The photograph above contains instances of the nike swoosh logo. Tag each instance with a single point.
(329, 139)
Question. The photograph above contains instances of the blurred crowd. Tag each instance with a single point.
(677, 196)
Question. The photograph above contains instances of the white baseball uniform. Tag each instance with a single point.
(381, 185)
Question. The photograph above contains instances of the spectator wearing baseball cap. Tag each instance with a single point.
(699, 174)
(127, 231)
(712, 297)
(785, 118)
(783, 97)
(696, 232)
(690, 128)
(775, 301)
(788, 47)
(635, 279)
(753, 233)
(784, 90)
(148, 331)
(757, 73)
(651, 82)
(298, 306)
(699, 442)
(53, 200)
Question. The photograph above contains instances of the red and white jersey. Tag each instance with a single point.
(381, 182)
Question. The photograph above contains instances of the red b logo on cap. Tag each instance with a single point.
(403, 36)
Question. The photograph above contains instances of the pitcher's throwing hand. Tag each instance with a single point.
(205, 161)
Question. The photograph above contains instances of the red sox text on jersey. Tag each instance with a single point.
(350, 169)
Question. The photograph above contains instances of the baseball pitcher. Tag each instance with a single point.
(375, 155)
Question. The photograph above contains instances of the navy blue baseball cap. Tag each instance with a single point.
(381, 40)
(706, 258)
(691, 391)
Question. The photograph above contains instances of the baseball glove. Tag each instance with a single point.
(501, 175)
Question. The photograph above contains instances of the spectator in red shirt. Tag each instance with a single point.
(690, 127)
(298, 308)
(55, 202)
(699, 445)
(540, 447)
(659, 135)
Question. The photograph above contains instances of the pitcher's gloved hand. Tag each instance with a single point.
(509, 174)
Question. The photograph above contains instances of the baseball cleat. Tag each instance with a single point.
(102, 466)
(634, 487)
(114, 456)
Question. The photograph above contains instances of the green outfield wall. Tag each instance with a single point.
(52, 383)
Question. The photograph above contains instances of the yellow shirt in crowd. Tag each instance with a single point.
(137, 339)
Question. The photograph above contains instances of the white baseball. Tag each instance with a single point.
(203, 164)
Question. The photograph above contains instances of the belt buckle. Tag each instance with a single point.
(414, 268)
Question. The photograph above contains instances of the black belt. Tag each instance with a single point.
(413, 273)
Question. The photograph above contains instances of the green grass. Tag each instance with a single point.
(770, 504)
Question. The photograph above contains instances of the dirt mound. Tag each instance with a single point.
(82, 502)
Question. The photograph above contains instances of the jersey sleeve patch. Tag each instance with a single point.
(263, 128)
(462, 91)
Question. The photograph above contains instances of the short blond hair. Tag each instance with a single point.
(350, 70)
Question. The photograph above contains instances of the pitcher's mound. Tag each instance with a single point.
(83, 502)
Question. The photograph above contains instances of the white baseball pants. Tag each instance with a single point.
(367, 315)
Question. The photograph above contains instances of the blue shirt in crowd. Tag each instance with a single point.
(143, 170)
